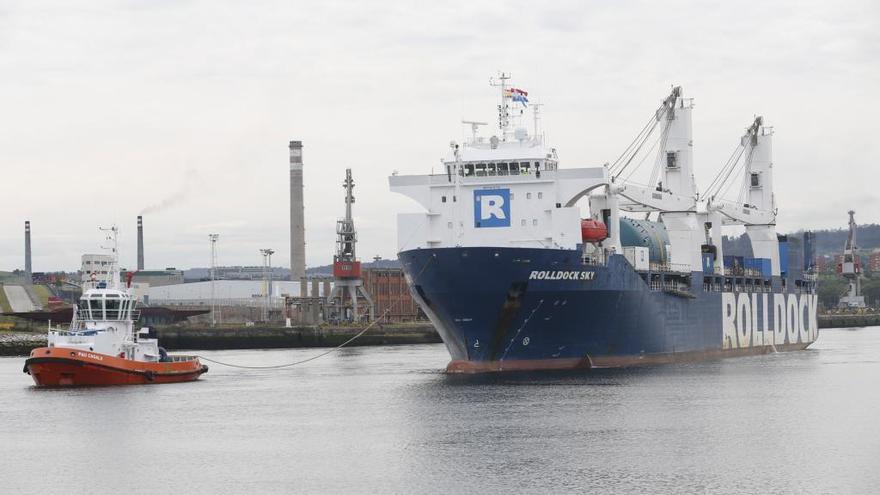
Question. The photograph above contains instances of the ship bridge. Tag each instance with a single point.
(504, 191)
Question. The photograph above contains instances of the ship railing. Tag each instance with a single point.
(255, 302)
(670, 267)
(179, 359)
(657, 285)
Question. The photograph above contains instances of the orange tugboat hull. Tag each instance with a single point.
(65, 367)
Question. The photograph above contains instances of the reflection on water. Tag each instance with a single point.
(387, 420)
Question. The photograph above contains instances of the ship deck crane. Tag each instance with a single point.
(755, 206)
(671, 189)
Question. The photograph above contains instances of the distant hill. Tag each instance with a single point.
(828, 242)
(831, 241)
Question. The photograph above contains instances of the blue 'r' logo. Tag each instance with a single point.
(492, 208)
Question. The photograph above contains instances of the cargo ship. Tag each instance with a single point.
(100, 345)
(524, 264)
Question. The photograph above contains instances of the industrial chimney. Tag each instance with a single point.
(140, 263)
(27, 252)
(297, 222)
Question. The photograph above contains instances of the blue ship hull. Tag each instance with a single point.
(524, 308)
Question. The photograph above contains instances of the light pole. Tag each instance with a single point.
(213, 238)
(267, 265)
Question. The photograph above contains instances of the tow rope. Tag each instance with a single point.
(287, 365)
(334, 349)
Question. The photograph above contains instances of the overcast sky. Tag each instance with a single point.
(185, 108)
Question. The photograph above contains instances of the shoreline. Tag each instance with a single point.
(207, 338)
(182, 338)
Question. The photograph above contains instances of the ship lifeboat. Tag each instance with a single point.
(593, 230)
(66, 367)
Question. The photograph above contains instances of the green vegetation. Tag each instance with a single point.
(830, 288)
(10, 277)
(43, 294)
(4, 303)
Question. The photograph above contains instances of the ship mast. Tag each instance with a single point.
(504, 107)
(112, 234)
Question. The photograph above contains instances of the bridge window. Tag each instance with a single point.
(524, 168)
(111, 307)
(502, 169)
(514, 168)
(469, 170)
(442, 199)
(528, 195)
(535, 222)
(96, 309)
(523, 222)
(540, 195)
(491, 168)
(481, 169)
(671, 159)
(756, 179)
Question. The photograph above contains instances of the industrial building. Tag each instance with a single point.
(874, 261)
(226, 293)
(95, 268)
(156, 278)
(391, 297)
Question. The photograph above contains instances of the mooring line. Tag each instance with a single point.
(287, 365)
(334, 349)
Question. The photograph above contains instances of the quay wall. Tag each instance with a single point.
(176, 338)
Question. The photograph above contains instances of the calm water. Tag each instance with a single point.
(384, 420)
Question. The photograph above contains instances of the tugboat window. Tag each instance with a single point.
(97, 309)
(112, 309)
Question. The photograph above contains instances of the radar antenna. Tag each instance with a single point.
(474, 128)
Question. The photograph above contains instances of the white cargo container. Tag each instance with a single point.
(637, 256)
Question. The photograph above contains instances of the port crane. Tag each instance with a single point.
(850, 267)
(347, 283)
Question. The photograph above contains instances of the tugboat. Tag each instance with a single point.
(101, 347)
